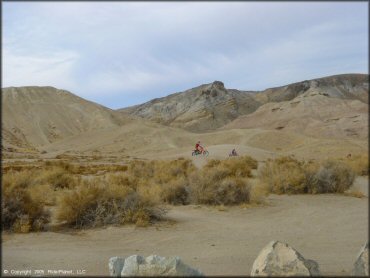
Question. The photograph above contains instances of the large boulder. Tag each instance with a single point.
(361, 266)
(279, 259)
(151, 266)
(115, 266)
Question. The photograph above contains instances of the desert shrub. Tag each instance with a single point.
(176, 192)
(43, 194)
(168, 171)
(165, 181)
(287, 175)
(333, 177)
(96, 203)
(141, 169)
(127, 180)
(20, 212)
(258, 192)
(160, 171)
(21, 179)
(213, 187)
(234, 167)
(283, 175)
(223, 182)
(57, 178)
(359, 164)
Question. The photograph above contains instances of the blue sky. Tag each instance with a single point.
(124, 53)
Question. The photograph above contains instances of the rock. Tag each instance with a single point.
(115, 266)
(131, 265)
(361, 266)
(154, 266)
(218, 85)
(279, 259)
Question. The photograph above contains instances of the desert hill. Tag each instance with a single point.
(344, 86)
(212, 106)
(35, 116)
(202, 108)
(323, 117)
(312, 113)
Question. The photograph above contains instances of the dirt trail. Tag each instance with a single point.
(327, 228)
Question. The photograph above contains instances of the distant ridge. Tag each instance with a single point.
(334, 107)
(212, 106)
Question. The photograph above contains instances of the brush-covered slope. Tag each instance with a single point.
(212, 106)
(35, 116)
(202, 108)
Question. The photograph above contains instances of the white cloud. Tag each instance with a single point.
(54, 69)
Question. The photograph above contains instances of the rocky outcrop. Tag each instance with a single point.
(211, 106)
(361, 266)
(205, 107)
(279, 259)
(151, 266)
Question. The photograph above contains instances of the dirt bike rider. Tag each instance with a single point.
(198, 147)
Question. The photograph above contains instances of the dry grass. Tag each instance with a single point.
(168, 180)
(133, 193)
(332, 177)
(287, 175)
(89, 169)
(223, 182)
(20, 211)
(283, 175)
(354, 193)
(176, 192)
(359, 164)
(57, 178)
(97, 203)
(43, 194)
(235, 166)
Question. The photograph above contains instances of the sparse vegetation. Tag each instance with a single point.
(21, 212)
(359, 164)
(97, 203)
(100, 194)
(223, 182)
(332, 177)
(355, 193)
(287, 175)
(57, 178)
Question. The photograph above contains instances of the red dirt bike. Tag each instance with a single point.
(196, 152)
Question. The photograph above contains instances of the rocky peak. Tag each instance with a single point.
(214, 89)
(218, 85)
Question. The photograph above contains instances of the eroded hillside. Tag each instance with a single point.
(212, 106)
(35, 116)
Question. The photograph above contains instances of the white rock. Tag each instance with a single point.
(115, 266)
(361, 266)
(157, 266)
(279, 259)
(131, 266)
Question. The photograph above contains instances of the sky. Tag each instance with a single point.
(120, 54)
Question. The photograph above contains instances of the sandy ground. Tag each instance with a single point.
(327, 228)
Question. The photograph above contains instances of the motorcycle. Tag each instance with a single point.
(196, 152)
